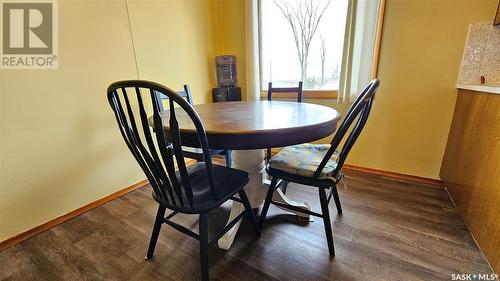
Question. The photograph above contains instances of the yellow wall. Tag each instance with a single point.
(230, 15)
(175, 44)
(60, 146)
(421, 51)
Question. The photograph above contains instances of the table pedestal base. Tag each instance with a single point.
(280, 197)
(252, 161)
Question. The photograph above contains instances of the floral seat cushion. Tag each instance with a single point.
(303, 160)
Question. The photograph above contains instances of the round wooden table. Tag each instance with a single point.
(248, 128)
(258, 124)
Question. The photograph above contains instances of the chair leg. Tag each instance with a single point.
(229, 158)
(267, 203)
(250, 213)
(326, 220)
(156, 231)
(203, 225)
(337, 200)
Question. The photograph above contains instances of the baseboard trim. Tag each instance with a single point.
(433, 182)
(46, 226)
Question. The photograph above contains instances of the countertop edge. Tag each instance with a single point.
(480, 88)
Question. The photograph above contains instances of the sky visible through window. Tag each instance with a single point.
(280, 61)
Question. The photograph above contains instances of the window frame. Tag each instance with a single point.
(319, 93)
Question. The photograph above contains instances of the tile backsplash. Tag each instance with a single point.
(481, 56)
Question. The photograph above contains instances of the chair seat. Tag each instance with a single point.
(228, 181)
(303, 160)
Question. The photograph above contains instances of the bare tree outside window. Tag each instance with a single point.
(304, 17)
(302, 40)
(322, 53)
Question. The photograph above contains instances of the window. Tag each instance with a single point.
(302, 40)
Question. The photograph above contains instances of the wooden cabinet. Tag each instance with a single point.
(471, 168)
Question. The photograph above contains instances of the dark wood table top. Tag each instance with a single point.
(257, 124)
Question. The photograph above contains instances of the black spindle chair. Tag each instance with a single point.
(270, 90)
(194, 152)
(312, 165)
(191, 190)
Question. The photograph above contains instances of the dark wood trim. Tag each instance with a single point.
(9, 242)
(429, 181)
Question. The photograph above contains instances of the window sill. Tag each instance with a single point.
(308, 94)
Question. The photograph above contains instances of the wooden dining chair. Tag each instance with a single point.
(271, 90)
(194, 152)
(312, 164)
(197, 189)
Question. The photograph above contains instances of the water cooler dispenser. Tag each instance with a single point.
(227, 80)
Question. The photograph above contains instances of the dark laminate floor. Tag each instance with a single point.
(390, 230)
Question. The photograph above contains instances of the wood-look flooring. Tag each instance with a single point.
(390, 230)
